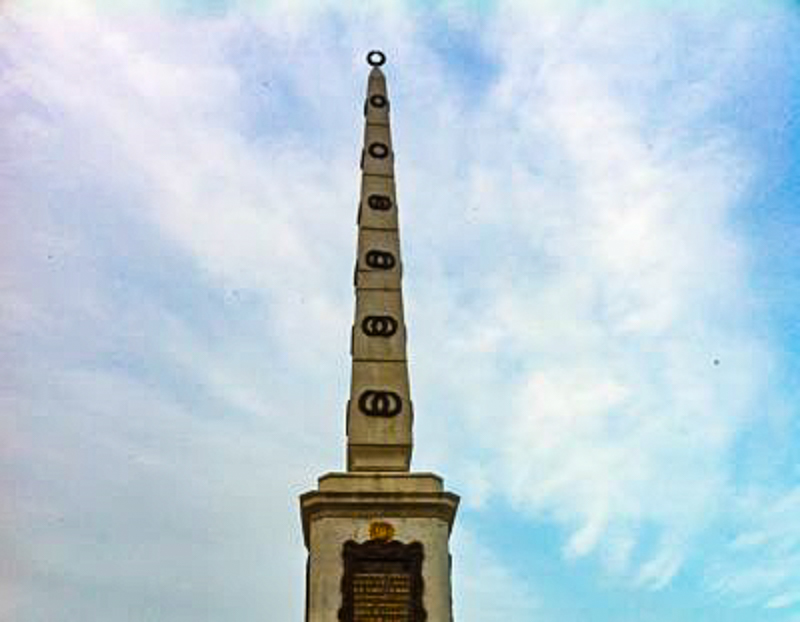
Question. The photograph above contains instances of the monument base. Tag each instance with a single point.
(378, 547)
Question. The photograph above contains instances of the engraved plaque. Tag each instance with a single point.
(382, 582)
(384, 596)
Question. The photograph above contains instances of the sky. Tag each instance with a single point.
(601, 271)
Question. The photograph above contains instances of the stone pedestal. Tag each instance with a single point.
(366, 534)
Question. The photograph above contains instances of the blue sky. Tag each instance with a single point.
(599, 222)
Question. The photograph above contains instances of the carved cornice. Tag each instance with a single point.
(315, 505)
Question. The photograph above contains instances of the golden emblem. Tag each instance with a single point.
(381, 530)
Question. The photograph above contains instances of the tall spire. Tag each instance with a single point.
(378, 535)
(379, 412)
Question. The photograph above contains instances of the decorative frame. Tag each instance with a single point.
(382, 556)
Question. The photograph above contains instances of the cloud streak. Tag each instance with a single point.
(178, 307)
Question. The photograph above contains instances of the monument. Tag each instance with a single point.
(378, 534)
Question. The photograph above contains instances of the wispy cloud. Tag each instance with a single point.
(612, 319)
(762, 561)
(486, 589)
(182, 197)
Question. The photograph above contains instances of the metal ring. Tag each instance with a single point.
(380, 202)
(380, 403)
(379, 325)
(371, 58)
(378, 150)
(378, 100)
(380, 260)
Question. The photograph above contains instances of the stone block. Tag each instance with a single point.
(378, 265)
(368, 420)
(381, 189)
(378, 331)
(378, 157)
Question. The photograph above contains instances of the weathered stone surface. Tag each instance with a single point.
(377, 133)
(378, 217)
(378, 157)
(381, 428)
(376, 86)
(381, 482)
(373, 457)
(378, 265)
(379, 333)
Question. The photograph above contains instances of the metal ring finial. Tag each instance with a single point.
(376, 58)
(377, 100)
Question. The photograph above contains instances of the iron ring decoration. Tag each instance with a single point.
(379, 325)
(380, 202)
(376, 58)
(380, 260)
(378, 150)
(380, 403)
(377, 100)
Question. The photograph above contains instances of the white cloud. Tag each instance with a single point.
(762, 562)
(615, 278)
(485, 589)
(572, 269)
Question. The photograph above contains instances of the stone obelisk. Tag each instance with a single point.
(378, 534)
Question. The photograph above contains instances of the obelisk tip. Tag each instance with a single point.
(376, 58)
